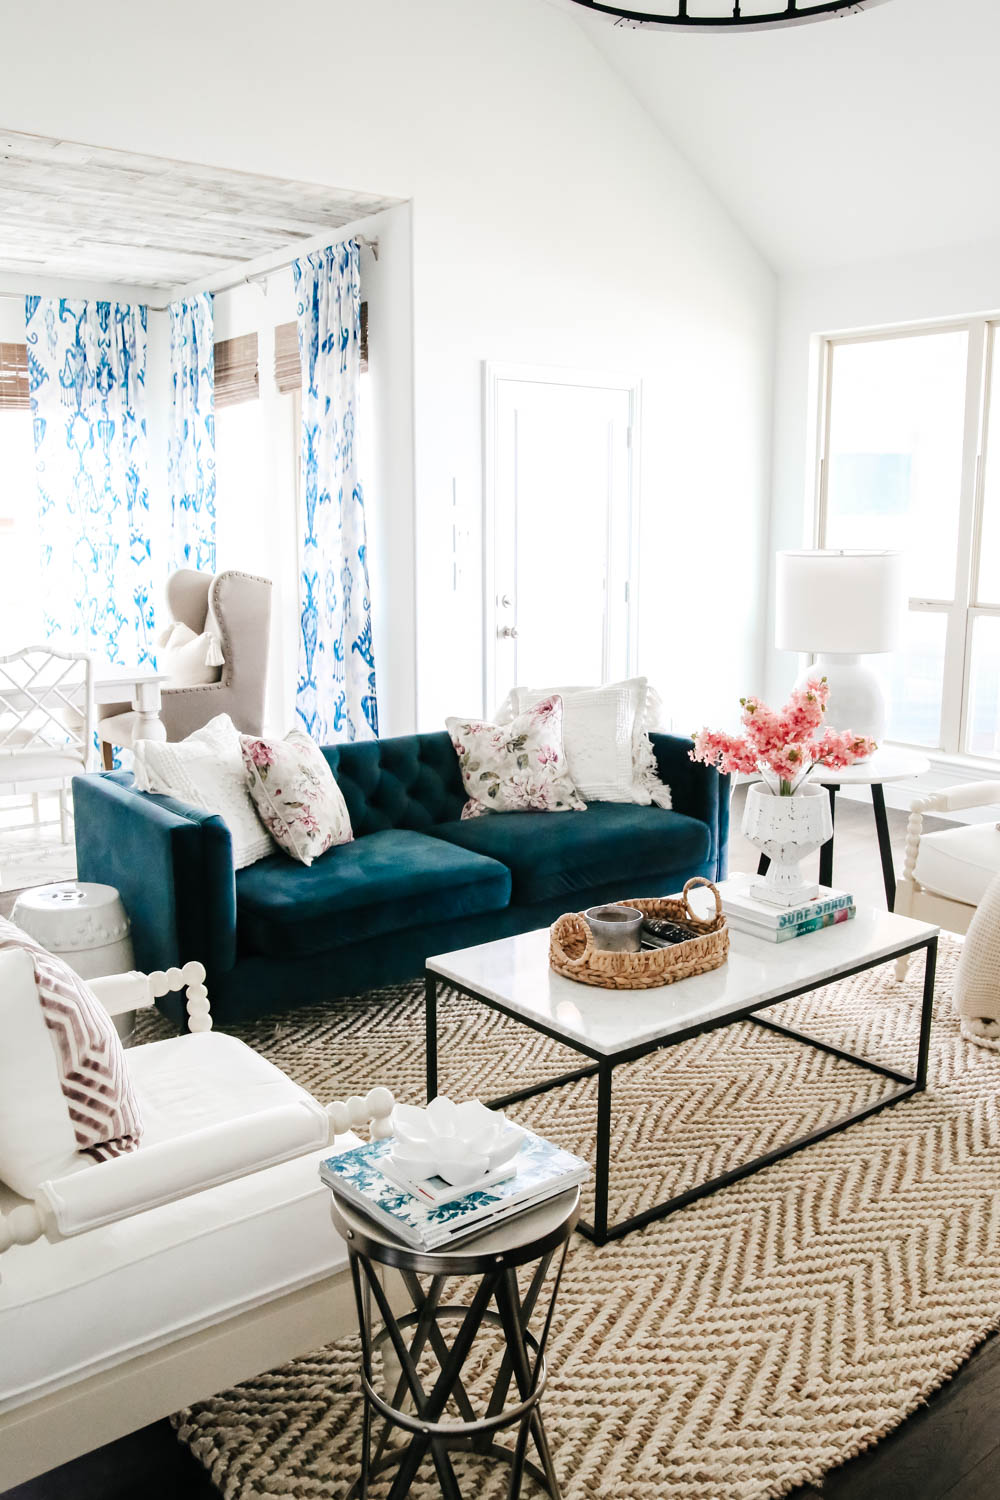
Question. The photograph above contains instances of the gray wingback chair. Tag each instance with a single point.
(240, 605)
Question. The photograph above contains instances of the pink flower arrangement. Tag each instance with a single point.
(782, 747)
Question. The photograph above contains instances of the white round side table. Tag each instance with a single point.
(885, 765)
(85, 924)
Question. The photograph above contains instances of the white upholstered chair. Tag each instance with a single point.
(46, 722)
(946, 873)
(134, 1286)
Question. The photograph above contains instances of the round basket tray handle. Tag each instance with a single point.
(559, 952)
(701, 880)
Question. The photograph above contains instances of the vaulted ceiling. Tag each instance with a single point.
(863, 137)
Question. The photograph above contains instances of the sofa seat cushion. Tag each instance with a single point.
(381, 883)
(959, 862)
(552, 854)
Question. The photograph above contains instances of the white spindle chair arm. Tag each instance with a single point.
(119, 993)
(374, 1109)
(952, 799)
(26, 1223)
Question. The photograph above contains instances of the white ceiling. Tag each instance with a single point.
(862, 137)
(74, 211)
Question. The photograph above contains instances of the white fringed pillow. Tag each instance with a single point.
(606, 736)
(206, 771)
(977, 977)
(518, 767)
(296, 795)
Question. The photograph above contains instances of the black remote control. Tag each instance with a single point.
(663, 934)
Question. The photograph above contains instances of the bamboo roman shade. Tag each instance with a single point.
(287, 376)
(14, 394)
(236, 375)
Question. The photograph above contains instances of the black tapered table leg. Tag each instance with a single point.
(430, 1021)
(926, 1012)
(826, 853)
(884, 846)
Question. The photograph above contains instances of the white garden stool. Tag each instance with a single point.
(86, 924)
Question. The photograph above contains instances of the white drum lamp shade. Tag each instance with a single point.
(841, 605)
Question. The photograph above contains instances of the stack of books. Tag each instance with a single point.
(778, 924)
(428, 1215)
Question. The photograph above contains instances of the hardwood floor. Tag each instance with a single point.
(949, 1450)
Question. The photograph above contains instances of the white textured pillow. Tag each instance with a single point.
(606, 737)
(206, 770)
(190, 660)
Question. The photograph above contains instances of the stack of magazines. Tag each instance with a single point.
(430, 1215)
(778, 924)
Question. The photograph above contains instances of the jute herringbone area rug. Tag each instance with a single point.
(746, 1344)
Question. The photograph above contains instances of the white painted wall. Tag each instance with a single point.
(937, 285)
(552, 224)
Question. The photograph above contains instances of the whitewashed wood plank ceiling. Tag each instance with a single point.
(94, 214)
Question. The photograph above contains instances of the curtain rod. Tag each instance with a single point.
(230, 286)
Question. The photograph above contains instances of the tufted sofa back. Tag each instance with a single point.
(412, 781)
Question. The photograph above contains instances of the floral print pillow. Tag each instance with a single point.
(295, 794)
(516, 767)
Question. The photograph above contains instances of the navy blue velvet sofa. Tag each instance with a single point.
(415, 881)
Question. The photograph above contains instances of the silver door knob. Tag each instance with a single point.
(505, 601)
(507, 632)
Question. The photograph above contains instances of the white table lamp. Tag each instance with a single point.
(841, 605)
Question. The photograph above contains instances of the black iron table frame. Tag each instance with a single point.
(603, 1065)
(884, 844)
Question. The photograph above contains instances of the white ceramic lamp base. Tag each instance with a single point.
(856, 700)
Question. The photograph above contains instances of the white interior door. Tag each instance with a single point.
(559, 540)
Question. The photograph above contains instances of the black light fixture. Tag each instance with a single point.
(749, 15)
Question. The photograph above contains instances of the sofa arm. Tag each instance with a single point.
(697, 791)
(172, 866)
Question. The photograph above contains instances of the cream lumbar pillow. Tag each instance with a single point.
(518, 767)
(206, 771)
(296, 795)
(606, 735)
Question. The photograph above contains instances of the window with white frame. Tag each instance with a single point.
(906, 461)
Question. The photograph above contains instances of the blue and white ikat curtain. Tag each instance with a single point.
(191, 451)
(335, 697)
(87, 378)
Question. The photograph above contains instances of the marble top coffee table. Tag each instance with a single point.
(610, 1027)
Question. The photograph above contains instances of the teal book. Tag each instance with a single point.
(543, 1170)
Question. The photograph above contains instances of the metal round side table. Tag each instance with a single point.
(423, 1369)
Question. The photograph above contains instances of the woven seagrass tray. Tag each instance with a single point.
(573, 954)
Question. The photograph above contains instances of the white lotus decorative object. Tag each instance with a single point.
(459, 1142)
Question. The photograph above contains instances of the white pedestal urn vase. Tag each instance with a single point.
(786, 829)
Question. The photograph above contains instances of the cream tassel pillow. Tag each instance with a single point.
(977, 978)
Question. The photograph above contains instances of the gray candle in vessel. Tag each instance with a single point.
(616, 929)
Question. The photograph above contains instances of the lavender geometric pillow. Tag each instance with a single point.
(90, 1060)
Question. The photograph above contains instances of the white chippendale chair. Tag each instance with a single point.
(945, 874)
(46, 722)
(131, 1287)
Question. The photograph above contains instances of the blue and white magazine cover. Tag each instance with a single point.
(542, 1170)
